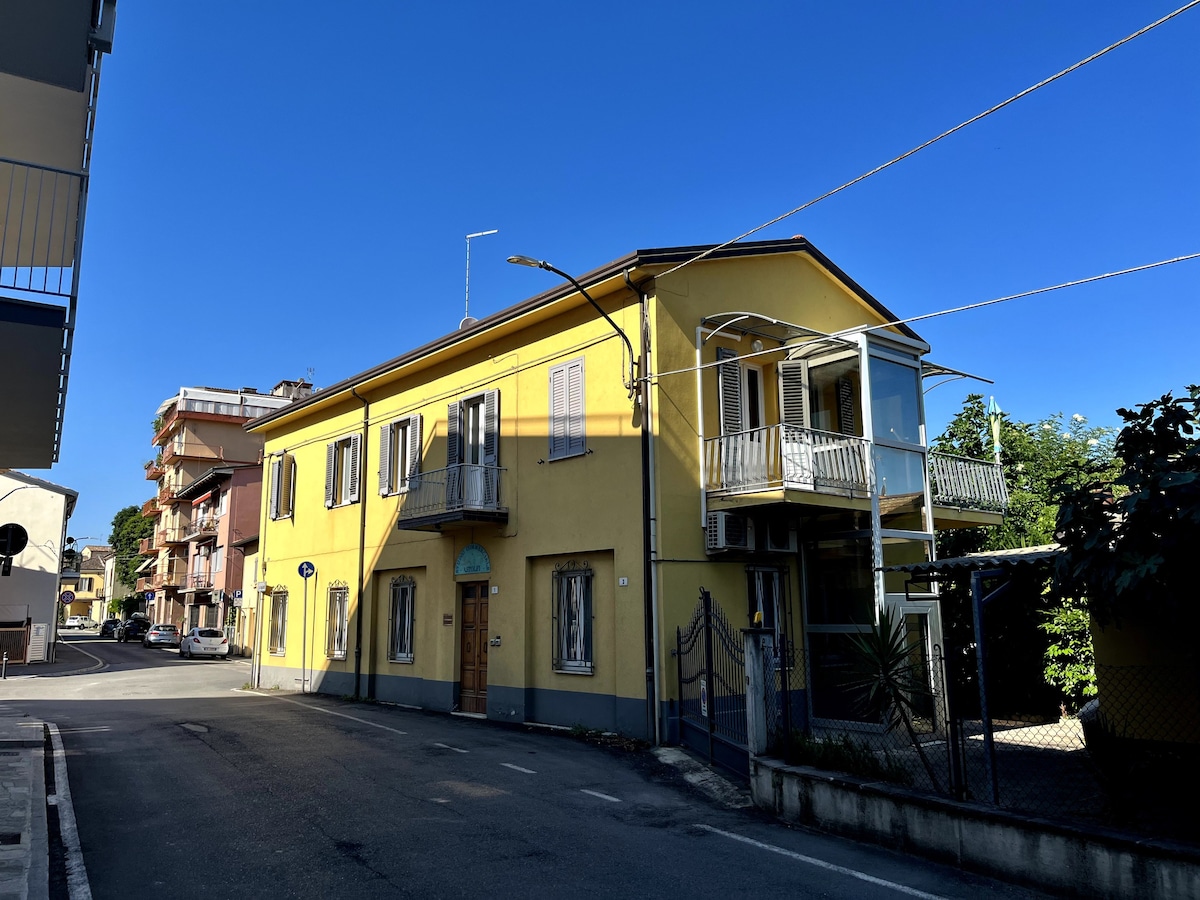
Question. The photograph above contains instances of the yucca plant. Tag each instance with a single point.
(888, 681)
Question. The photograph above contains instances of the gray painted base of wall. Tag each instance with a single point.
(340, 684)
(423, 692)
(1037, 852)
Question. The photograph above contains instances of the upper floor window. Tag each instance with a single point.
(895, 401)
(283, 482)
(221, 500)
(472, 450)
(566, 410)
(399, 454)
(341, 470)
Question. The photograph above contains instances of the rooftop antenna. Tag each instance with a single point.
(467, 320)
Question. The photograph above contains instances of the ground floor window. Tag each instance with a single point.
(278, 636)
(573, 618)
(335, 644)
(400, 625)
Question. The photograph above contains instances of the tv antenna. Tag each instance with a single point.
(467, 320)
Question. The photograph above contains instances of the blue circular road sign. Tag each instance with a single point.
(149, 595)
(307, 570)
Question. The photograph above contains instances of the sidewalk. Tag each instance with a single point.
(24, 843)
(69, 659)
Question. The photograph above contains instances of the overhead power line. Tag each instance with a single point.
(999, 106)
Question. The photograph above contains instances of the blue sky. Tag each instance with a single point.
(269, 177)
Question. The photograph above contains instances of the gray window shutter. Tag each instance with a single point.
(575, 433)
(729, 392)
(793, 392)
(276, 485)
(845, 391)
(355, 466)
(454, 434)
(385, 458)
(414, 446)
(330, 471)
(558, 412)
(287, 485)
(491, 428)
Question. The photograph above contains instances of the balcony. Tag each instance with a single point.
(461, 495)
(147, 546)
(198, 581)
(145, 584)
(150, 508)
(787, 458)
(190, 450)
(174, 535)
(175, 577)
(154, 471)
(201, 528)
(967, 484)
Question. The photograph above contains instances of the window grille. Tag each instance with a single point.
(573, 618)
(400, 624)
(339, 598)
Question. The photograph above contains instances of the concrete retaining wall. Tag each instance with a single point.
(1037, 852)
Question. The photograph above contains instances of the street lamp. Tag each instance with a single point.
(631, 382)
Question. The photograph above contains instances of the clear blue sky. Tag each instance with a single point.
(268, 178)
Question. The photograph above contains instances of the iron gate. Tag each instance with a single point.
(711, 659)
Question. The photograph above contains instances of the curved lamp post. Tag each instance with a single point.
(631, 382)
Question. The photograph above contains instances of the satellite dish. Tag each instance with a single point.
(467, 322)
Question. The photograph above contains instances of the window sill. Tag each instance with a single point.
(336, 658)
(574, 672)
(402, 662)
(568, 456)
(277, 653)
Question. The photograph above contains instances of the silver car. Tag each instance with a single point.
(204, 642)
(164, 635)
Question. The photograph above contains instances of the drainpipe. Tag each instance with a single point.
(362, 549)
(649, 531)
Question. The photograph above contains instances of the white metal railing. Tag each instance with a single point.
(967, 483)
(453, 489)
(789, 457)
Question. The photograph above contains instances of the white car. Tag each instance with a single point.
(204, 642)
(79, 622)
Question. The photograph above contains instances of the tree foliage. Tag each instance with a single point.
(129, 527)
(1130, 539)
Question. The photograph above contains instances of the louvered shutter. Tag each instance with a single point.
(575, 432)
(491, 428)
(330, 472)
(287, 485)
(414, 446)
(845, 390)
(793, 392)
(453, 455)
(558, 412)
(730, 392)
(355, 467)
(385, 458)
(276, 485)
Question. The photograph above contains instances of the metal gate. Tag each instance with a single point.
(711, 658)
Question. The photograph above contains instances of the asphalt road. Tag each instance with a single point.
(185, 785)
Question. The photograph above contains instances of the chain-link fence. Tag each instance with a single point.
(1128, 759)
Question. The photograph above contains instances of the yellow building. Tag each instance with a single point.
(515, 519)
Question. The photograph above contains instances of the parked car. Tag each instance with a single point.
(132, 629)
(79, 622)
(109, 626)
(163, 635)
(204, 642)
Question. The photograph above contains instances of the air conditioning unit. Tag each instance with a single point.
(728, 531)
(779, 538)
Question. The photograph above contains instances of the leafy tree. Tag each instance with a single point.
(129, 527)
(1130, 540)
(1040, 460)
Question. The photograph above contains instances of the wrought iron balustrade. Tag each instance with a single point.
(453, 489)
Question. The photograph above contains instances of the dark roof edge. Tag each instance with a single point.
(649, 257)
(213, 476)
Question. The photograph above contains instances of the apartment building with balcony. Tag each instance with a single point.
(203, 498)
(515, 519)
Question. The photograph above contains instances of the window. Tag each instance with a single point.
(472, 452)
(222, 501)
(399, 454)
(278, 635)
(566, 410)
(573, 619)
(218, 559)
(341, 471)
(283, 486)
(335, 645)
(766, 598)
(400, 624)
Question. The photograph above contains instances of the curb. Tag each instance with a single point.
(100, 664)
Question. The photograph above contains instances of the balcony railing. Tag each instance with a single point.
(967, 483)
(190, 450)
(785, 456)
(146, 546)
(176, 576)
(463, 488)
(154, 472)
(39, 212)
(199, 581)
(200, 528)
(150, 507)
(173, 535)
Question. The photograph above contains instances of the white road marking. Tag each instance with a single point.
(328, 712)
(78, 887)
(600, 795)
(438, 800)
(85, 730)
(519, 768)
(448, 747)
(822, 864)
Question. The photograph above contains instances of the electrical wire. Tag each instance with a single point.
(932, 141)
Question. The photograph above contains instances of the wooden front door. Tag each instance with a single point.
(474, 643)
